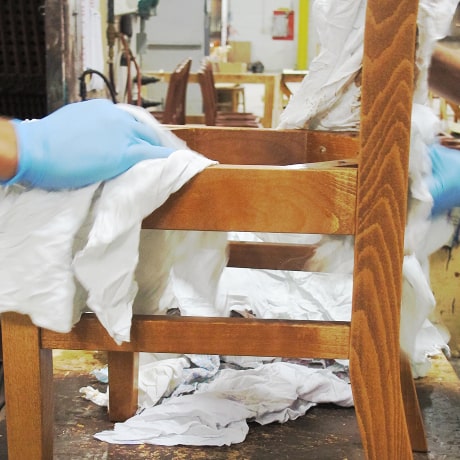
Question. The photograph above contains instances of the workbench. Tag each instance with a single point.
(271, 82)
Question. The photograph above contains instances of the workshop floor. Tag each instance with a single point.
(325, 432)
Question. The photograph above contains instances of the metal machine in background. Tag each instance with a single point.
(40, 53)
(179, 31)
(126, 75)
(23, 70)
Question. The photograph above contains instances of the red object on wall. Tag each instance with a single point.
(283, 24)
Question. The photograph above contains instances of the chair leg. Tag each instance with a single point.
(123, 390)
(412, 408)
(28, 390)
(375, 382)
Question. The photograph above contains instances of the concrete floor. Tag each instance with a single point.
(325, 432)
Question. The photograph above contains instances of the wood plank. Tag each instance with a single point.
(230, 145)
(268, 146)
(211, 336)
(413, 413)
(123, 377)
(28, 390)
(274, 256)
(265, 199)
(328, 146)
(386, 104)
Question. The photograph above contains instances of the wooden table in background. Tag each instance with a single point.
(271, 82)
(291, 76)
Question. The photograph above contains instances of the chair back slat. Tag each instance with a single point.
(212, 116)
(175, 104)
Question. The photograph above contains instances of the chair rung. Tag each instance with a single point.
(263, 199)
(220, 336)
(270, 256)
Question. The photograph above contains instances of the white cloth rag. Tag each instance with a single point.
(52, 243)
(217, 413)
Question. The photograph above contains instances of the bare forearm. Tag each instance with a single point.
(444, 74)
(8, 150)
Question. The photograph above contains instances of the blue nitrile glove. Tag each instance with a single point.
(445, 183)
(80, 144)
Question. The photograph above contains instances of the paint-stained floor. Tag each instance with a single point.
(325, 432)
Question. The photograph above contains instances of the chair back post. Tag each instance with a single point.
(214, 117)
(208, 93)
(175, 104)
(386, 104)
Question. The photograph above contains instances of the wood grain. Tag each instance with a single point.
(262, 199)
(368, 201)
(268, 146)
(226, 336)
(272, 256)
(123, 377)
(28, 390)
(387, 88)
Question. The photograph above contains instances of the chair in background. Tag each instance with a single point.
(214, 117)
(175, 103)
(230, 97)
(367, 199)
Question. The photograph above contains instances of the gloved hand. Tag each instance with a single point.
(80, 144)
(445, 183)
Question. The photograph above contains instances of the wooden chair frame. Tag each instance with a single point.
(176, 96)
(212, 116)
(368, 201)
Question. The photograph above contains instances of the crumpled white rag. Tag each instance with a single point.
(217, 413)
(53, 242)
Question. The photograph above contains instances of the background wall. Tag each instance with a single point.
(248, 21)
(252, 21)
(177, 32)
(174, 34)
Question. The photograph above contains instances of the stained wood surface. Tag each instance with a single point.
(412, 408)
(221, 336)
(270, 256)
(262, 199)
(175, 101)
(28, 390)
(387, 88)
(123, 377)
(268, 146)
(269, 198)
